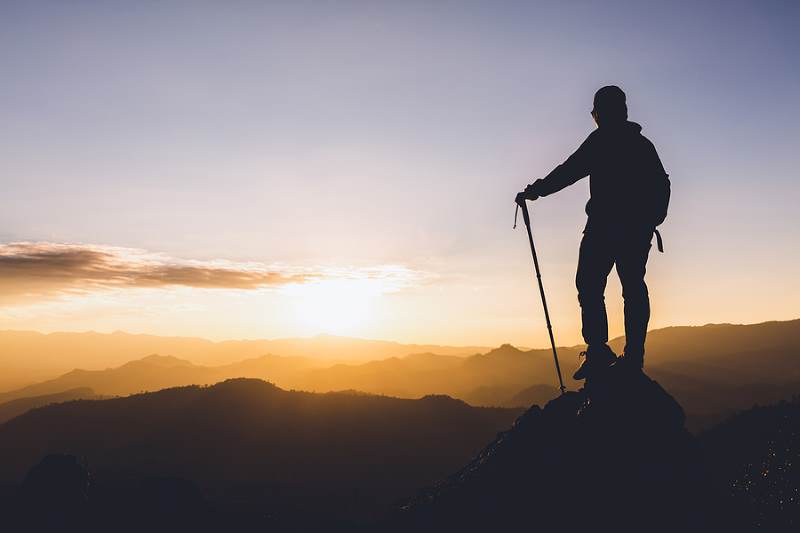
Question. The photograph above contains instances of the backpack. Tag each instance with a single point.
(660, 199)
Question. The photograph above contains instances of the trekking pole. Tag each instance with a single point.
(527, 219)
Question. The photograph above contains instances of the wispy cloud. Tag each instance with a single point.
(45, 269)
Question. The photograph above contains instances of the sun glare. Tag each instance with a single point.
(340, 306)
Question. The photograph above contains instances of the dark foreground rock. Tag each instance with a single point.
(613, 457)
(59, 495)
(755, 461)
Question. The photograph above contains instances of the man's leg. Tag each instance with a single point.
(594, 264)
(631, 266)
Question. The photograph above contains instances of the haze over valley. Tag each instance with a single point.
(712, 370)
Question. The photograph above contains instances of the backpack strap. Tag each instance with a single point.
(659, 241)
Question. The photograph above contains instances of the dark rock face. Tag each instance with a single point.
(614, 456)
(59, 495)
(59, 477)
(755, 460)
(54, 495)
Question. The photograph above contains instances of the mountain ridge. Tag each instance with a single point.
(714, 370)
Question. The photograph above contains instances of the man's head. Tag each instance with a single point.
(609, 106)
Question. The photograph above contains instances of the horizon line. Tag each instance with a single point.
(367, 339)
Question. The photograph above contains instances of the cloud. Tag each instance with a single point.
(30, 269)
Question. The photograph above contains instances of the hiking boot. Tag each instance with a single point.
(594, 360)
(632, 363)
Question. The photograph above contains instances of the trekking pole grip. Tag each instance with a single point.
(525, 216)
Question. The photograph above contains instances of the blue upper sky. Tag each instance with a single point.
(352, 134)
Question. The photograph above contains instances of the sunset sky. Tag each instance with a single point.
(277, 169)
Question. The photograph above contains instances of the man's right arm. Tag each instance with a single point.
(576, 167)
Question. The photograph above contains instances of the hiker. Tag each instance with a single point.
(629, 193)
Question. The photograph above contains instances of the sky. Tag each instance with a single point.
(276, 169)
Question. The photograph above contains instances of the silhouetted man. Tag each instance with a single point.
(629, 194)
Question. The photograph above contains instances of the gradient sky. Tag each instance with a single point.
(256, 169)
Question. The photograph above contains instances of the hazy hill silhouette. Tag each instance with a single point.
(533, 395)
(482, 379)
(488, 379)
(28, 356)
(708, 401)
(412, 375)
(339, 454)
(156, 372)
(712, 370)
(718, 369)
(10, 409)
(706, 344)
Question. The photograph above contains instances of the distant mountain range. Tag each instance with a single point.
(28, 356)
(13, 408)
(156, 372)
(718, 369)
(490, 379)
(712, 370)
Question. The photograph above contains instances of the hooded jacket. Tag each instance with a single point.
(628, 187)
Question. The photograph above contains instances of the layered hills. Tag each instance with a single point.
(341, 454)
(712, 370)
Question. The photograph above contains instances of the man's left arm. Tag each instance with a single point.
(576, 167)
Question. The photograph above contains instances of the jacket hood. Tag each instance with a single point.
(633, 126)
(627, 127)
